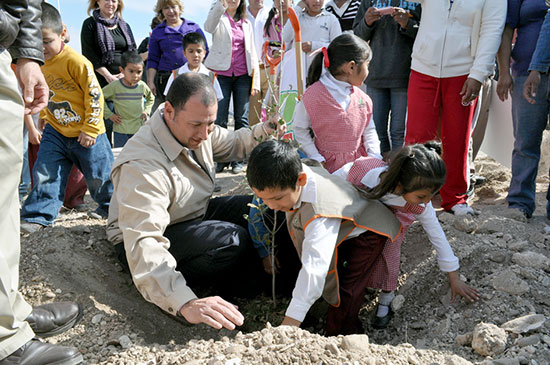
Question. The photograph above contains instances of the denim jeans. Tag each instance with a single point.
(239, 87)
(384, 100)
(529, 122)
(120, 139)
(56, 157)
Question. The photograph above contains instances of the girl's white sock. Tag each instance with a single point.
(384, 301)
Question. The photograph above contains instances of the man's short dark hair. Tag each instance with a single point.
(193, 38)
(130, 57)
(274, 164)
(189, 84)
(51, 19)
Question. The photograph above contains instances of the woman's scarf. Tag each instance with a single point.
(105, 39)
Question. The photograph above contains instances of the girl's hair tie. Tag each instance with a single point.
(325, 57)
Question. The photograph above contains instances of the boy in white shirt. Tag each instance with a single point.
(337, 233)
(194, 50)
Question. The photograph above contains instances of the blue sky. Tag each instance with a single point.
(137, 13)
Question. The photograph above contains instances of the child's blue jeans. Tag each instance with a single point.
(55, 159)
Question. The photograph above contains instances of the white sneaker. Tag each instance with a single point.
(462, 209)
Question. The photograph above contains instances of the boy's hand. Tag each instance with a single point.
(85, 140)
(35, 136)
(144, 116)
(151, 84)
(470, 90)
(306, 47)
(458, 287)
(287, 321)
(254, 92)
(268, 265)
(41, 125)
(117, 119)
(505, 85)
(273, 126)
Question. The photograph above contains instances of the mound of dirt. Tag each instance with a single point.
(501, 254)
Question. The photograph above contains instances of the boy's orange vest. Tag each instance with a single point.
(339, 199)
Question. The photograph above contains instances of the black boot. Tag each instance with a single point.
(54, 318)
(35, 352)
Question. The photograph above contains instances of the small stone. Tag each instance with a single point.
(505, 361)
(518, 245)
(97, 318)
(333, 349)
(49, 295)
(488, 339)
(397, 303)
(531, 259)
(125, 342)
(237, 349)
(536, 238)
(417, 325)
(464, 340)
(507, 281)
(58, 291)
(499, 257)
(524, 324)
(464, 224)
(234, 361)
(528, 341)
(357, 343)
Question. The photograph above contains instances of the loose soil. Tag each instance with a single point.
(72, 260)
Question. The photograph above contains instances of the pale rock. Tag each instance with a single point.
(333, 349)
(215, 362)
(58, 291)
(507, 237)
(125, 342)
(546, 339)
(507, 281)
(237, 349)
(235, 361)
(532, 259)
(488, 339)
(357, 343)
(498, 256)
(49, 295)
(518, 245)
(537, 239)
(397, 303)
(455, 360)
(413, 359)
(524, 324)
(529, 340)
(267, 339)
(464, 340)
(464, 224)
(97, 318)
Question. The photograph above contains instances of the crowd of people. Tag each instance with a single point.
(385, 124)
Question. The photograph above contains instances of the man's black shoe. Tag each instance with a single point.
(54, 318)
(35, 352)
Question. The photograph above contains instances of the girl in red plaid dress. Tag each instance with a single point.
(406, 186)
(335, 108)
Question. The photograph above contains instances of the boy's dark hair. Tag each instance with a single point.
(51, 19)
(188, 84)
(274, 164)
(130, 57)
(343, 49)
(193, 38)
(415, 167)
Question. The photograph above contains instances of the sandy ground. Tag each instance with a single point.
(506, 258)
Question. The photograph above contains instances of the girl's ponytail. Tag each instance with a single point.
(392, 176)
(315, 69)
(414, 167)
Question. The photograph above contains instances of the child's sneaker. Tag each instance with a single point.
(463, 209)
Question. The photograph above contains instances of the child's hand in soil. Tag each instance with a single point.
(458, 287)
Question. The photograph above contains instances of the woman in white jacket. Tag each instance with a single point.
(234, 59)
(453, 53)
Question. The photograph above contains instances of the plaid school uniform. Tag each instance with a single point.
(338, 132)
(385, 271)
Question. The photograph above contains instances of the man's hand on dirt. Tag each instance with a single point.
(213, 311)
(458, 287)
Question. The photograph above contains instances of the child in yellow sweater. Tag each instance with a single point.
(74, 133)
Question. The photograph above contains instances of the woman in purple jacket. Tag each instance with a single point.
(165, 46)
